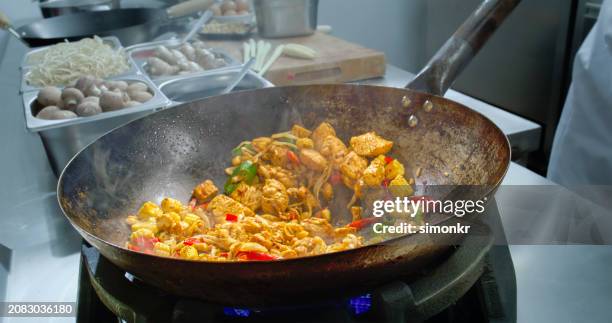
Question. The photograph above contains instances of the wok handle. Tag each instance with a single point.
(450, 60)
(188, 7)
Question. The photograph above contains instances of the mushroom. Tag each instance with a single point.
(85, 82)
(141, 96)
(111, 100)
(71, 97)
(113, 85)
(91, 99)
(130, 104)
(137, 86)
(88, 108)
(49, 95)
(54, 113)
(92, 91)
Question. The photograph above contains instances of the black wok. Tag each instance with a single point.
(131, 26)
(167, 153)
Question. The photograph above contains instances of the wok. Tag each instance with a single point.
(167, 153)
(131, 26)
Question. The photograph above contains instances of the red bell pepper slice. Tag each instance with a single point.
(362, 223)
(190, 241)
(293, 157)
(388, 160)
(255, 256)
(231, 217)
(335, 178)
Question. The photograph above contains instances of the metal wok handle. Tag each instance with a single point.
(450, 60)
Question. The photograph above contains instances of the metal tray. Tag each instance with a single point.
(65, 138)
(140, 60)
(198, 86)
(25, 69)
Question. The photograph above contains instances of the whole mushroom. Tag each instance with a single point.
(54, 113)
(88, 108)
(114, 85)
(85, 82)
(111, 100)
(141, 96)
(49, 95)
(137, 87)
(71, 97)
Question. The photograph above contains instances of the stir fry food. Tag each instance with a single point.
(276, 201)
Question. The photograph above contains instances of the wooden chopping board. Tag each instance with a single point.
(338, 61)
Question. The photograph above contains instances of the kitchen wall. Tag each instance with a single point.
(396, 27)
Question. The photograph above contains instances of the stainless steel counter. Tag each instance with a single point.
(39, 251)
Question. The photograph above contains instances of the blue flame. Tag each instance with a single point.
(236, 312)
(360, 304)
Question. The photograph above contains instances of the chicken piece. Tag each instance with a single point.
(400, 187)
(322, 131)
(318, 227)
(248, 195)
(282, 175)
(313, 159)
(148, 210)
(303, 143)
(261, 143)
(374, 174)
(171, 205)
(333, 149)
(394, 169)
(205, 191)
(223, 204)
(274, 198)
(352, 168)
(300, 131)
(277, 156)
(370, 145)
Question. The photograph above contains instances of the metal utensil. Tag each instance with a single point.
(53, 8)
(5, 24)
(131, 26)
(243, 71)
(204, 18)
(168, 153)
(286, 18)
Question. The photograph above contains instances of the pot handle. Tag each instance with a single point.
(450, 60)
(188, 7)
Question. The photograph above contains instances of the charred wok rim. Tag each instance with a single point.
(489, 192)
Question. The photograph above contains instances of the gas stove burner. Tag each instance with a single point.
(475, 283)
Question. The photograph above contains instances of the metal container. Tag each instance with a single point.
(286, 18)
(198, 86)
(64, 138)
(53, 8)
(139, 54)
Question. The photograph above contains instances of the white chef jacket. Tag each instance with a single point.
(582, 148)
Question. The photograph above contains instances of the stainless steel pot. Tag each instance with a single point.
(53, 8)
(286, 18)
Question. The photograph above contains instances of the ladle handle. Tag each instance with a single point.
(5, 23)
(450, 60)
(188, 7)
